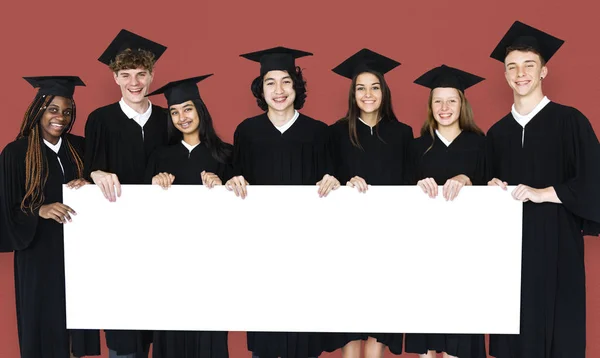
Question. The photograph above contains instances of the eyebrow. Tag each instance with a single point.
(375, 83)
(514, 63)
(188, 105)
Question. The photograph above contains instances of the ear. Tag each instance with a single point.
(116, 76)
(544, 72)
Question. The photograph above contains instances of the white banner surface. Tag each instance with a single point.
(283, 259)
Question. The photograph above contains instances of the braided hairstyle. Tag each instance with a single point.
(36, 164)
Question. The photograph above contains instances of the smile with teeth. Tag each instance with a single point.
(185, 125)
(279, 99)
(135, 91)
(522, 83)
(445, 115)
(57, 125)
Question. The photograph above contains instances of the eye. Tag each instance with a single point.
(174, 113)
(376, 88)
(188, 109)
(68, 113)
(453, 100)
(287, 82)
(269, 83)
(53, 110)
(360, 88)
(437, 101)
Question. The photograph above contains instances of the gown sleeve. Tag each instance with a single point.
(581, 193)
(18, 227)
(95, 157)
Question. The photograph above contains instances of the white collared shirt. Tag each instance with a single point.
(139, 118)
(524, 119)
(189, 147)
(368, 125)
(55, 148)
(287, 126)
(444, 140)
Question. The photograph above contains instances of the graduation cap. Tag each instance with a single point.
(365, 60)
(63, 86)
(446, 76)
(181, 91)
(276, 58)
(128, 40)
(521, 34)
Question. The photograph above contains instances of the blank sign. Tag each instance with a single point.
(283, 259)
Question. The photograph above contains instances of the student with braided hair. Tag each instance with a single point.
(33, 170)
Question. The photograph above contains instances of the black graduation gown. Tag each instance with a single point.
(465, 155)
(559, 149)
(39, 256)
(186, 166)
(383, 160)
(114, 143)
(265, 156)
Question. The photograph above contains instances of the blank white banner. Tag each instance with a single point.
(283, 259)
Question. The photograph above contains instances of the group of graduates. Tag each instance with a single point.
(547, 150)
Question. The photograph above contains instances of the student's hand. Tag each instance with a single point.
(77, 183)
(58, 212)
(108, 183)
(525, 193)
(163, 179)
(498, 182)
(238, 186)
(429, 187)
(210, 179)
(453, 185)
(358, 183)
(327, 184)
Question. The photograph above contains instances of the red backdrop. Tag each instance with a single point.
(66, 38)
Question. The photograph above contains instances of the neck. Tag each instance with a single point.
(450, 132)
(51, 139)
(279, 118)
(370, 118)
(192, 138)
(525, 104)
(140, 107)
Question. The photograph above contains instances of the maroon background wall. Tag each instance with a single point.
(66, 38)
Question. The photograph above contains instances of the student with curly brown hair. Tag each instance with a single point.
(119, 140)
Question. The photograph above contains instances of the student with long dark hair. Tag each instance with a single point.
(369, 147)
(33, 170)
(197, 156)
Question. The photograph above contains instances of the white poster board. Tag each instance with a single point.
(283, 259)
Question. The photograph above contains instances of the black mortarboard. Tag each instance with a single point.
(445, 76)
(128, 40)
(276, 58)
(63, 86)
(364, 60)
(181, 91)
(521, 34)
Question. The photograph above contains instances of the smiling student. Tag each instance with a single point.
(119, 140)
(33, 170)
(449, 152)
(550, 152)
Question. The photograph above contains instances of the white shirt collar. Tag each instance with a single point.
(132, 114)
(55, 147)
(189, 147)
(287, 126)
(366, 124)
(444, 140)
(524, 119)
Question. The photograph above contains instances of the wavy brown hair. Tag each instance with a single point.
(385, 110)
(36, 164)
(465, 121)
(131, 60)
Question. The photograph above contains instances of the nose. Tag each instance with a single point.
(278, 88)
(134, 80)
(520, 71)
(444, 105)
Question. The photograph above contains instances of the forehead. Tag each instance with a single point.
(61, 101)
(518, 56)
(275, 74)
(445, 92)
(181, 105)
(366, 78)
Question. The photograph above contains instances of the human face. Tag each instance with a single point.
(278, 90)
(524, 72)
(134, 84)
(185, 117)
(56, 118)
(445, 106)
(367, 93)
